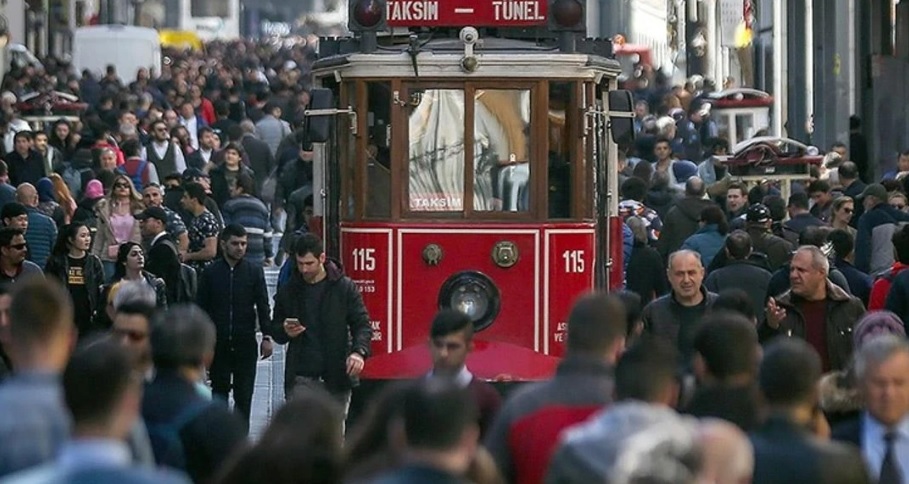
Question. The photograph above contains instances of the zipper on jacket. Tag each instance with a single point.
(230, 321)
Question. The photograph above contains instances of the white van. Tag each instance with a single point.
(125, 47)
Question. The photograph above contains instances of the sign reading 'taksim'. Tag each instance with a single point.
(460, 13)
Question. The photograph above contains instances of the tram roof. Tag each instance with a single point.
(497, 57)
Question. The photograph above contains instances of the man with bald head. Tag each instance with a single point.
(677, 316)
(814, 309)
(42, 231)
(726, 453)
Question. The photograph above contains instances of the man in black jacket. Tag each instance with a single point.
(163, 255)
(682, 219)
(320, 312)
(232, 291)
(784, 449)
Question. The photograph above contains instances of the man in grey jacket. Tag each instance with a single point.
(271, 128)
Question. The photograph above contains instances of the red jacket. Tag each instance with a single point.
(881, 287)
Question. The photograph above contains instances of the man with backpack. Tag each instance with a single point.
(188, 431)
(163, 257)
(138, 169)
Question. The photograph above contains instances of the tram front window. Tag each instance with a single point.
(436, 167)
(378, 155)
(501, 150)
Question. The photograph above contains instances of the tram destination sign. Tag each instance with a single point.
(461, 13)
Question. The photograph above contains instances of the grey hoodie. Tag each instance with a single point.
(628, 439)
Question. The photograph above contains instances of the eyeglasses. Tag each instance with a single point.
(848, 210)
(21, 246)
(897, 206)
(131, 334)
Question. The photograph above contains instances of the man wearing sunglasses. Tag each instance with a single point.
(13, 249)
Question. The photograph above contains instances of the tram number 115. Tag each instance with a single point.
(364, 259)
(574, 261)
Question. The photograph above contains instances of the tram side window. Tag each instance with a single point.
(378, 151)
(209, 8)
(436, 156)
(559, 150)
(501, 150)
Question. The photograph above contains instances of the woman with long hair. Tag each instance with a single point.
(63, 137)
(841, 213)
(117, 222)
(64, 197)
(80, 272)
(131, 267)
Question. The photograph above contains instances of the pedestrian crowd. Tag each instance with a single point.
(757, 340)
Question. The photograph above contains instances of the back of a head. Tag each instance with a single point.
(436, 414)
(646, 370)
(695, 187)
(815, 236)
(633, 308)
(842, 242)
(728, 343)
(595, 324)
(789, 372)
(450, 321)
(738, 245)
(727, 455)
(848, 170)
(134, 293)
(634, 189)
(41, 310)
(799, 200)
(638, 229)
(182, 337)
(96, 379)
(777, 207)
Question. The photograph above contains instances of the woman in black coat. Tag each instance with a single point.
(80, 272)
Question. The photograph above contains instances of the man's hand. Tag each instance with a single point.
(268, 262)
(775, 314)
(293, 328)
(355, 364)
(266, 347)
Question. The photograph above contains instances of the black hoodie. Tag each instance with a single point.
(680, 223)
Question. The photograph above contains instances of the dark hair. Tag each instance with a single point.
(137, 308)
(728, 343)
(713, 215)
(130, 148)
(203, 130)
(195, 191)
(122, 255)
(663, 139)
(231, 230)
(436, 414)
(842, 241)
(246, 183)
(736, 301)
(645, 370)
(848, 170)
(67, 232)
(818, 186)
(156, 122)
(301, 444)
(233, 146)
(737, 186)
(41, 308)
(308, 243)
(789, 372)
(595, 323)
(450, 321)
(7, 234)
(643, 171)
(23, 134)
(97, 376)
(12, 210)
(814, 235)
(633, 309)
(369, 436)
(181, 337)
(717, 143)
(634, 189)
(738, 245)
(799, 200)
(901, 244)
(777, 207)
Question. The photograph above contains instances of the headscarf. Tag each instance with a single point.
(877, 323)
(94, 189)
(45, 189)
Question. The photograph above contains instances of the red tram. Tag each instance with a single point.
(466, 158)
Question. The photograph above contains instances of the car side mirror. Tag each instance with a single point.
(621, 117)
(319, 125)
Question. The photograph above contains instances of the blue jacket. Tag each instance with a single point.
(879, 215)
(707, 241)
(40, 236)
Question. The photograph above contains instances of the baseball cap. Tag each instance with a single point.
(153, 212)
(875, 190)
(191, 174)
(758, 213)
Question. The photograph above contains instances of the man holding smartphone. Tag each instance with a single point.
(321, 314)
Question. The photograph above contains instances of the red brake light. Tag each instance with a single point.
(368, 13)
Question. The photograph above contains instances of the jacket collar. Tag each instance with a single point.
(704, 293)
(834, 293)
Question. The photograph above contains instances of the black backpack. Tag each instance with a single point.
(187, 282)
(165, 436)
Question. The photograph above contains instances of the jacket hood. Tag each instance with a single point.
(834, 293)
(691, 207)
(45, 188)
(624, 439)
(838, 394)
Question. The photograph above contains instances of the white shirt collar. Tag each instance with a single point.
(162, 234)
(83, 453)
(463, 377)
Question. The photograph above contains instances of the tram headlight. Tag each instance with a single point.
(366, 15)
(567, 15)
(474, 294)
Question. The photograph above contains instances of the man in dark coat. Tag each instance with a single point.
(784, 448)
(682, 219)
(741, 271)
(320, 312)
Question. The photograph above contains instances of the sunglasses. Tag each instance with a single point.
(132, 335)
(898, 207)
(18, 246)
(848, 210)
(121, 185)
